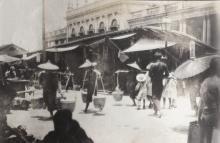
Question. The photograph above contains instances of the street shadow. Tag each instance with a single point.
(88, 112)
(42, 118)
(152, 115)
(117, 104)
(181, 129)
(130, 105)
(98, 114)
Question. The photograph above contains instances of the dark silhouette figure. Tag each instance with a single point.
(91, 86)
(49, 82)
(66, 130)
(158, 71)
(209, 105)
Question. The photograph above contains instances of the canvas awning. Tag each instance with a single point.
(96, 43)
(8, 59)
(62, 49)
(123, 36)
(145, 44)
(31, 56)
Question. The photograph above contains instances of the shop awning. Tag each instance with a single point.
(123, 36)
(31, 56)
(145, 44)
(96, 43)
(62, 49)
(8, 59)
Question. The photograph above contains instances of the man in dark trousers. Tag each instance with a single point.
(91, 85)
(209, 105)
(158, 71)
(49, 83)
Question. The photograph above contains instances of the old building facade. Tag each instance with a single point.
(196, 18)
(89, 17)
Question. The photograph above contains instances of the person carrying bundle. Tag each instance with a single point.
(91, 85)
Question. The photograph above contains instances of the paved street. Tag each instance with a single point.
(119, 122)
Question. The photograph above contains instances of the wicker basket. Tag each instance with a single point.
(117, 95)
(99, 102)
(84, 95)
(66, 104)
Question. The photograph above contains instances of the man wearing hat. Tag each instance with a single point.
(91, 84)
(158, 71)
(49, 81)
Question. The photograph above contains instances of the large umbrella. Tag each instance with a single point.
(48, 66)
(193, 67)
(134, 65)
(8, 59)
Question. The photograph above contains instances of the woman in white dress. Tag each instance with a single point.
(170, 91)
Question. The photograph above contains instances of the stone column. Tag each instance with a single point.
(97, 24)
(182, 26)
(208, 38)
(204, 31)
(68, 32)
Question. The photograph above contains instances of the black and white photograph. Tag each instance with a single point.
(109, 71)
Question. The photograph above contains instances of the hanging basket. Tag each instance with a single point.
(68, 104)
(99, 101)
(83, 94)
(117, 95)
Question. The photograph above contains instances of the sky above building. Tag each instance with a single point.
(21, 21)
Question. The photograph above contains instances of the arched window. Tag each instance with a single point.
(101, 27)
(114, 25)
(81, 31)
(91, 29)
